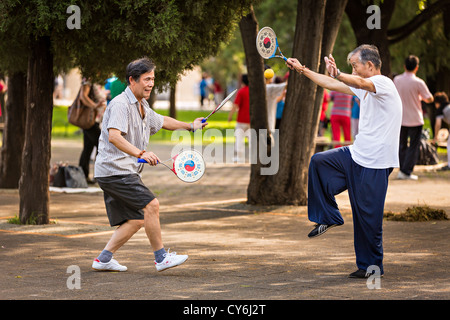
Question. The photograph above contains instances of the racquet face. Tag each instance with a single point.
(189, 166)
(266, 42)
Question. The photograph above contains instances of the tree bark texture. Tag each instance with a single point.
(258, 105)
(14, 133)
(34, 183)
(173, 101)
(334, 12)
(299, 125)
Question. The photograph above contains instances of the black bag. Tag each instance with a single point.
(70, 177)
(427, 153)
(59, 178)
(75, 177)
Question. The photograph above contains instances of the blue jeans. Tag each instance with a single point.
(334, 171)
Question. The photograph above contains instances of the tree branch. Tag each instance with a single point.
(398, 34)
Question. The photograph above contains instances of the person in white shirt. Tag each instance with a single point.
(412, 91)
(362, 168)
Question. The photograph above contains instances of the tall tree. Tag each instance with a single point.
(258, 106)
(14, 134)
(34, 185)
(382, 36)
(300, 117)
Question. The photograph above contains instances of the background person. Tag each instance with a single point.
(242, 106)
(442, 105)
(412, 91)
(91, 98)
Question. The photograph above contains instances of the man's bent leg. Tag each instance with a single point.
(326, 178)
(163, 260)
(123, 234)
(152, 225)
(105, 262)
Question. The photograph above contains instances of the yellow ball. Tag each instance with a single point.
(268, 74)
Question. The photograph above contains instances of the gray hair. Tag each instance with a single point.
(138, 67)
(367, 53)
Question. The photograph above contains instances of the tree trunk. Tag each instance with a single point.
(14, 133)
(299, 125)
(258, 106)
(334, 12)
(172, 101)
(356, 12)
(34, 184)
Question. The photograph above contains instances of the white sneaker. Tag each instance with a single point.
(170, 260)
(112, 265)
(403, 176)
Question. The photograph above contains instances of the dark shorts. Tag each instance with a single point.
(125, 197)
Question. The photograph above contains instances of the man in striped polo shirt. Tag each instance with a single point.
(127, 125)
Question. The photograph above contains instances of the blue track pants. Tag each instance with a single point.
(334, 171)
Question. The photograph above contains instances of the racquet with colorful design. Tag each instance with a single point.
(188, 165)
(267, 44)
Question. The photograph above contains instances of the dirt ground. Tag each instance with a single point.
(236, 251)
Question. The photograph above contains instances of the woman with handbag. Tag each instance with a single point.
(90, 97)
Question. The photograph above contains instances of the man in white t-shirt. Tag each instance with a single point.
(412, 91)
(362, 168)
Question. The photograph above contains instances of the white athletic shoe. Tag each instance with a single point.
(403, 176)
(112, 265)
(170, 260)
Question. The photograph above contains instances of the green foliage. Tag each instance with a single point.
(62, 129)
(282, 21)
(429, 35)
(32, 220)
(176, 34)
(230, 62)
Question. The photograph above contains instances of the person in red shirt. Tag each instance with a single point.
(242, 129)
(2, 90)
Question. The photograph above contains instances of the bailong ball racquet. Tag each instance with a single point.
(188, 165)
(267, 44)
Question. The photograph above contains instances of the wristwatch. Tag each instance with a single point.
(337, 74)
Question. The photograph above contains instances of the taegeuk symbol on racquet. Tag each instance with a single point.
(267, 44)
(188, 165)
(220, 105)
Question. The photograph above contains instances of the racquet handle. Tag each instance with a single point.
(204, 120)
(143, 161)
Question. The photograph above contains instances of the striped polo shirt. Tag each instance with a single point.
(122, 113)
(342, 104)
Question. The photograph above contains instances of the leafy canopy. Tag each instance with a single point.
(176, 34)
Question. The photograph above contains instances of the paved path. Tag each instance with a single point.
(236, 251)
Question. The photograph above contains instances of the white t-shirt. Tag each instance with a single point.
(273, 91)
(377, 142)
